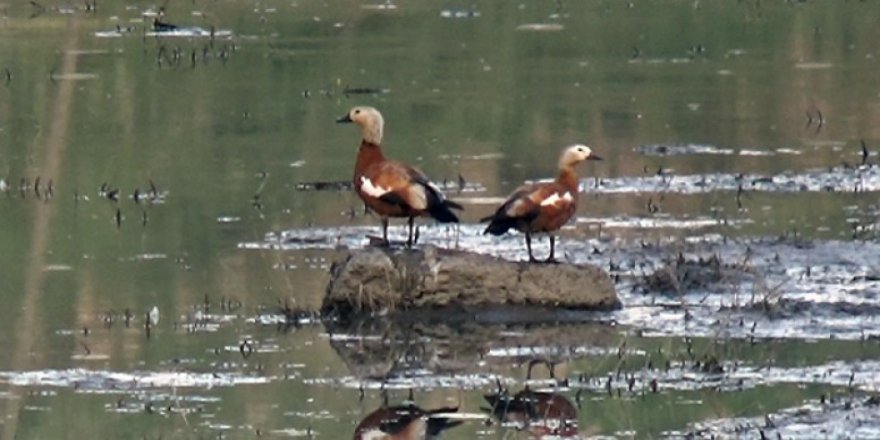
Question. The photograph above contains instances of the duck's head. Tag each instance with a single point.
(369, 119)
(576, 154)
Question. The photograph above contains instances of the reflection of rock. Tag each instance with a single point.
(404, 422)
(372, 280)
(386, 349)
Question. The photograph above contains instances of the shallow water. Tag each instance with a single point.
(164, 244)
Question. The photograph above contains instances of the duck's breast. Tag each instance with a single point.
(556, 205)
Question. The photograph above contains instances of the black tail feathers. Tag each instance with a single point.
(497, 225)
(454, 205)
(436, 425)
(442, 211)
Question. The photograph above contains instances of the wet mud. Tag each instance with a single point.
(681, 277)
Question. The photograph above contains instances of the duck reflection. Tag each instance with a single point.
(404, 422)
(540, 413)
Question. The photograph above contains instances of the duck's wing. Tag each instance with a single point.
(438, 206)
(400, 184)
(518, 206)
(525, 204)
(390, 182)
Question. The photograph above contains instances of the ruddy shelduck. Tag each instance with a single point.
(390, 188)
(542, 207)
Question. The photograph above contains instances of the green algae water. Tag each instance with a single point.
(154, 229)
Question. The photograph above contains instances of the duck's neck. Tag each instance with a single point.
(368, 154)
(372, 132)
(568, 178)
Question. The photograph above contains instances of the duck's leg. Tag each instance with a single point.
(529, 247)
(533, 362)
(385, 231)
(552, 258)
(409, 236)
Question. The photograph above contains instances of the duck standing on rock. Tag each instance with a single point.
(390, 188)
(542, 207)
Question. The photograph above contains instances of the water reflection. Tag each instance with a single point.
(398, 354)
(405, 422)
(539, 413)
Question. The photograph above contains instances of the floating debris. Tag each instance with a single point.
(676, 150)
(460, 185)
(160, 26)
(75, 76)
(459, 13)
(190, 32)
(153, 315)
(660, 60)
(481, 200)
(540, 27)
(337, 185)
(686, 149)
(484, 156)
(348, 91)
(813, 65)
(117, 32)
(146, 257)
(57, 268)
(387, 6)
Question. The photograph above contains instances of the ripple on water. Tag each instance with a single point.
(100, 381)
(835, 179)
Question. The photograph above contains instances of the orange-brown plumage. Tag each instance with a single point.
(390, 188)
(542, 207)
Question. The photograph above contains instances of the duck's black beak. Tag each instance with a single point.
(344, 119)
(594, 157)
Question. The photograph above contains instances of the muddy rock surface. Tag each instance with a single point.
(381, 280)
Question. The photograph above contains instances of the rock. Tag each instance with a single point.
(381, 280)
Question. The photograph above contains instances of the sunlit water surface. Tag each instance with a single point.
(164, 247)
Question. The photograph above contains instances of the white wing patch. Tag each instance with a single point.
(372, 190)
(515, 208)
(373, 434)
(418, 197)
(555, 198)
